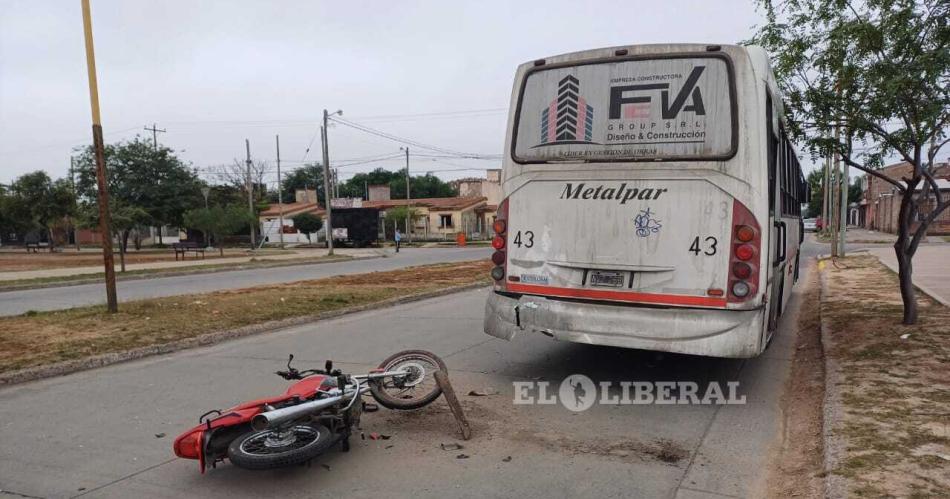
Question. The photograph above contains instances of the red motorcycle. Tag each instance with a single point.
(312, 416)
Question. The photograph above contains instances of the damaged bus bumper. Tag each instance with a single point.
(719, 333)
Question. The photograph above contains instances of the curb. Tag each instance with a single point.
(177, 273)
(835, 485)
(207, 339)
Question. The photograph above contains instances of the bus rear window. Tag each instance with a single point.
(672, 108)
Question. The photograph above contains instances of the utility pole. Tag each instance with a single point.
(155, 131)
(825, 189)
(833, 199)
(843, 215)
(327, 193)
(408, 197)
(250, 196)
(280, 198)
(105, 226)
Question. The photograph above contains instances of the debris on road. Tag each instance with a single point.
(159, 435)
(506, 460)
(451, 446)
(483, 392)
(461, 456)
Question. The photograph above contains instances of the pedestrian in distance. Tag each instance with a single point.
(397, 238)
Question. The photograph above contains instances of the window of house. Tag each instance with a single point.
(445, 220)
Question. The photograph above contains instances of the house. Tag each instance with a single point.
(440, 218)
(489, 188)
(305, 201)
(880, 203)
(471, 212)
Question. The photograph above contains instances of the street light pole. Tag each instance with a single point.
(105, 226)
(280, 198)
(326, 179)
(408, 197)
(249, 184)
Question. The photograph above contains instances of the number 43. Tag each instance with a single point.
(528, 239)
(710, 246)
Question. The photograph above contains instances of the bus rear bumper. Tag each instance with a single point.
(708, 332)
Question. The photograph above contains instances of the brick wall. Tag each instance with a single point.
(883, 200)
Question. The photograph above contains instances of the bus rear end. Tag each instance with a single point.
(631, 216)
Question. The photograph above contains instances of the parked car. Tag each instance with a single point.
(811, 224)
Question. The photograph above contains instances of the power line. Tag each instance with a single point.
(403, 140)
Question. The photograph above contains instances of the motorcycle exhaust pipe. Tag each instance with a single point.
(277, 417)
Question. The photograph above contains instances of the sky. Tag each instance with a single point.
(214, 73)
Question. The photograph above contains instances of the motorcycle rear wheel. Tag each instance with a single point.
(417, 390)
(268, 449)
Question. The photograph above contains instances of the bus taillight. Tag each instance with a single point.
(500, 227)
(745, 233)
(745, 254)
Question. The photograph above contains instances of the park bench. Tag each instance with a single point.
(186, 246)
(35, 247)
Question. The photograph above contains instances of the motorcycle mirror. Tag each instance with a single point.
(329, 366)
(289, 360)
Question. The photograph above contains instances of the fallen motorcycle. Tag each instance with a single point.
(313, 415)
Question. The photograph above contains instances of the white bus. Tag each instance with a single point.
(652, 201)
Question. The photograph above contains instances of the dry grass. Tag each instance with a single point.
(36, 339)
(896, 392)
(799, 465)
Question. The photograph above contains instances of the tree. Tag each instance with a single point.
(40, 203)
(814, 181)
(15, 215)
(124, 217)
(397, 217)
(308, 223)
(422, 186)
(141, 175)
(217, 222)
(879, 72)
(309, 176)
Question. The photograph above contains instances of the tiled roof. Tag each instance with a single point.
(435, 204)
(291, 209)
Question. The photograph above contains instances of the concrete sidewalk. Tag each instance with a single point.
(931, 269)
(297, 254)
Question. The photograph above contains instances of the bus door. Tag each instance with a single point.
(777, 227)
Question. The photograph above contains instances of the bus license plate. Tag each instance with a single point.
(606, 279)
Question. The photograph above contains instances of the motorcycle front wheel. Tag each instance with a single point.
(417, 388)
(268, 449)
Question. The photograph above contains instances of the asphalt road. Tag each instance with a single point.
(18, 302)
(108, 432)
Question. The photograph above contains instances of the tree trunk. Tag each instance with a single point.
(905, 270)
(51, 244)
(905, 254)
(123, 246)
(160, 236)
